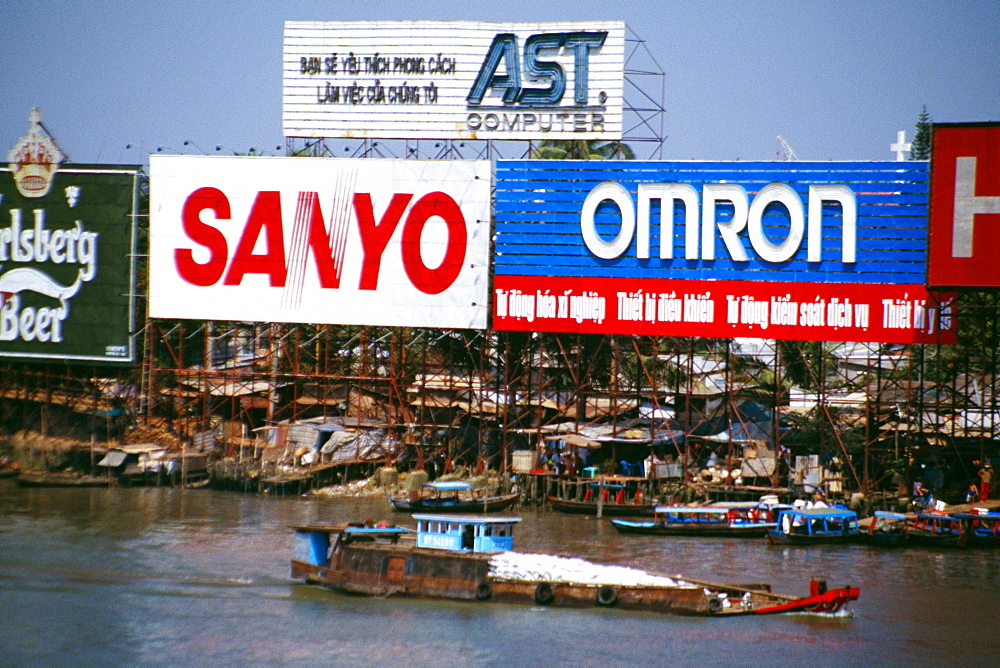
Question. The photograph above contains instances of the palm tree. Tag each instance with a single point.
(921, 147)
(582, 150)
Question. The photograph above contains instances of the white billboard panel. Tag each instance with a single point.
(453, 80)
(318, 240)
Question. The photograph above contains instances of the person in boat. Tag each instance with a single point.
(972, 496)
(986, 477)
(924, 498)
(797, 525)
(899, 482)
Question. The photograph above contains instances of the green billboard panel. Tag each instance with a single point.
(67, 261)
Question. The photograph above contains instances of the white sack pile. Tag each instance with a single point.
(549, 568)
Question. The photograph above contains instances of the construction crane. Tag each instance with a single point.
(788, 153)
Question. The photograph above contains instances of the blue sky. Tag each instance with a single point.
(836, 79)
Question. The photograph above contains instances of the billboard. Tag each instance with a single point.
(453, 80)
(67, 278)
(965, 205)
(317, 240)
(799, 251)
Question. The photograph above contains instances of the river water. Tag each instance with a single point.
(168, 576)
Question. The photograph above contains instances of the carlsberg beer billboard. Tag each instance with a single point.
(66, 240)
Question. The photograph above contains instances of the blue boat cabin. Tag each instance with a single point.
(312, 543)
(818, 521)
(470, 534)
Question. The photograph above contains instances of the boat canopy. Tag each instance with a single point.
(692, 510)
(467, 534)
(817, 521)
(448, 485)
(943, 519)
(989, 517)
(820, 513)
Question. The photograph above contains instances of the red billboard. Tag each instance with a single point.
(721, 309)
(964, 205)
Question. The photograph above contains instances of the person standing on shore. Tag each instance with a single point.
(986, 475)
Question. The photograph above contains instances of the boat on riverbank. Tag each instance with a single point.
(884, 529)
(815, 526)
(982, 528)
(936, 530)
(607, 509)
(61, 479)
(463, 558)
(729, 520)
(446, 497)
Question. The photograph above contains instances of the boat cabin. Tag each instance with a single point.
(734, 513)
(698, 515)
(468, 534)
(447, 487)
(818, 521)
(313, 542)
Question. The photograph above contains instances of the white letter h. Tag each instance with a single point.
(967, 205)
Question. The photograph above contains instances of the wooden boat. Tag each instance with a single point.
(728, 520)
(445, 497)
(813, 526)
(885, 529)
(607, 509)
(935, 530)
(60, 479)
(982, 528)
(471, 558)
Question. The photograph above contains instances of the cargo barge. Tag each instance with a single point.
(471, 558)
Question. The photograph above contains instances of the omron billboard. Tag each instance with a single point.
(367, 242)
(802, 251)
(453, 80)
(66, 256)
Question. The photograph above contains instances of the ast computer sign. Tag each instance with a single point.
(453, 80)
(965, 205)
(366, 242)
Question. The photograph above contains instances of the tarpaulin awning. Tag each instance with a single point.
(113, 459)
(575, 440)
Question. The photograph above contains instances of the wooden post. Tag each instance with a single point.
(600, 497)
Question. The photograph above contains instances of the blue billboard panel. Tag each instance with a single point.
(829, 222)
(789, 250)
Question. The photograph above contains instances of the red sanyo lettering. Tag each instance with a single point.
(265, 216)
(265, 219)
(203, 199)
(434, 281)
(374, 238)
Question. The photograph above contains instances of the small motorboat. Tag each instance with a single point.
(726, 520)
(936, 530)
(982, 527)
(606, 499)
(885, 529)
(814, 526)
(451, 496)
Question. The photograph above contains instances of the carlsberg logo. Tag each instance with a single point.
(38, 245)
